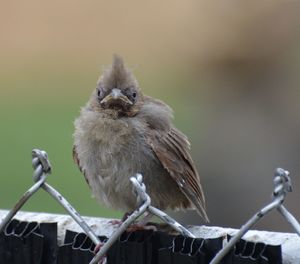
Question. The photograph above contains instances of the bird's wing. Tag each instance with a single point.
(77, 162)
(171, 148)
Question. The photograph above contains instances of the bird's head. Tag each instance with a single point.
(117, 89)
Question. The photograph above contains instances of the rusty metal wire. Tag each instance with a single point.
(42, 168)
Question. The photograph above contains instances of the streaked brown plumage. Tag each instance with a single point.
(121, 132)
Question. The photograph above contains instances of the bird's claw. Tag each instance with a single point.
(96, 250)
(139, 227)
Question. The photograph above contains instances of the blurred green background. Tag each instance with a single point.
(230, 71)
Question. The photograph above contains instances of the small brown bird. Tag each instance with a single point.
(121, 132)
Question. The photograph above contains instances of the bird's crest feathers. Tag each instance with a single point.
(118, 75)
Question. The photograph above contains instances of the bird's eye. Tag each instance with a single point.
(98, 92)
(134, 94)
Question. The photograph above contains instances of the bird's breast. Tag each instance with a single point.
(110, 152)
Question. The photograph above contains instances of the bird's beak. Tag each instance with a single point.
(115, 95)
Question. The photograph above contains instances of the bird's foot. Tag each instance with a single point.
(140, 227)
(96, 250)
(125, 216)
(116, 222)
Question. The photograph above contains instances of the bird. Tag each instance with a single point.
(121, 132)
